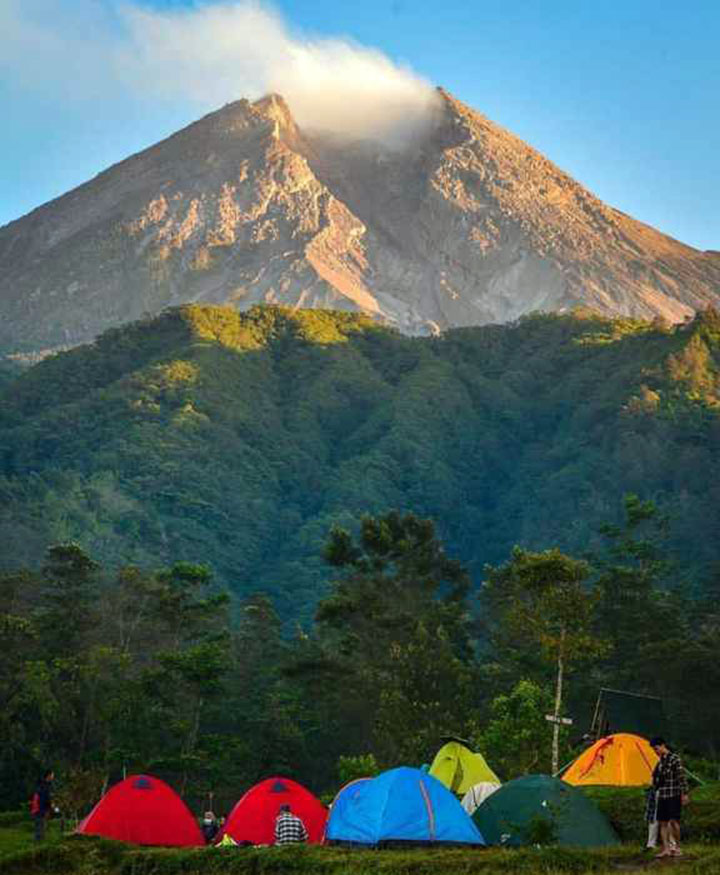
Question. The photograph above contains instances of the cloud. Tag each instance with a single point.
(215, 54)
(205, 56)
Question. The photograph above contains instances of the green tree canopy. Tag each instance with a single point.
(543, 598)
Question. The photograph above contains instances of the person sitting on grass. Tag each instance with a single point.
(671, 791)
(209, 826)
(289, 829)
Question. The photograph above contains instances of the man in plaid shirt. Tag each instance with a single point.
(671, 792)
(289, 829)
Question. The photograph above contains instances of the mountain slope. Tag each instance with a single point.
(239, 439)
(468, 226)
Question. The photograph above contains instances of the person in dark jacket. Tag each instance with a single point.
(41, 803)
(209, 826)
(671, 792)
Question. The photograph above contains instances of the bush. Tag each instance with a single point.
(14, 818)
(625, 809)
(350, 768)
(82, 856)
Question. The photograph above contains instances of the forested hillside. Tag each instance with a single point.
(238, 440)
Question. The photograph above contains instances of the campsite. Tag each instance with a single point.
(359, 437)
(402, 820)
(80, 856)
(519, 792)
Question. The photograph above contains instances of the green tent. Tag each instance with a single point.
(540, 810)
(459, 769)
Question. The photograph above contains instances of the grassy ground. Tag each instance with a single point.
(625, 809)
(72, 855)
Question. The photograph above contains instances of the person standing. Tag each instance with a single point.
(671, 792)
(41, 803)
(289, 829)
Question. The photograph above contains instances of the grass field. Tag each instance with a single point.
(625, 809)
(73, 855)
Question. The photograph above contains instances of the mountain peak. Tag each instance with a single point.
(275, 107)
(470, 226)
(240, 115)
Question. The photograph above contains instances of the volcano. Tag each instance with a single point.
(467, 226)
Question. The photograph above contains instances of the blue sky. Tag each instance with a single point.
(625, 96)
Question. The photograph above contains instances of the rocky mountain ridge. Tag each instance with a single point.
(469, 226)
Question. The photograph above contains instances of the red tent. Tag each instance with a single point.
(145, 811)
(253, 818)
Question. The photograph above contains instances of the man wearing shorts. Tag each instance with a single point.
(671, 792)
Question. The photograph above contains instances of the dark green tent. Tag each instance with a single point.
(540, 810)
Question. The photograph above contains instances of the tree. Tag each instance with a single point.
(393, 639)
(69, 600)
(192, 656)
(663, 629)
(395, 572)
(351, 768)
(427, 691)
(18, 652)
(632, 601)
(543, 598)
(99, 671)
(516, 730)
(258, 709)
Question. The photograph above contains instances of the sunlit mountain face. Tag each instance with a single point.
(461, 224)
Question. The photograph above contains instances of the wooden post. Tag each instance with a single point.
(558, 706)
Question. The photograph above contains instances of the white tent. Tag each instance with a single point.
(477, 794)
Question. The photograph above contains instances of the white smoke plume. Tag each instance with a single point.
(219, 53)
(110, 53)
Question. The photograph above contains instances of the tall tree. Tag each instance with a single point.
(662, 627)
(20, 698)
(393, 637)
(544, 598)
(70, 597)
(633, 588)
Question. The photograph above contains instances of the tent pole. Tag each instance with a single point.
(694, 777)
(593, 728)
(562, 768)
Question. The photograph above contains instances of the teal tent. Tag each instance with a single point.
(540, 810)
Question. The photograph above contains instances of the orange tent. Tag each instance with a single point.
(621, 760)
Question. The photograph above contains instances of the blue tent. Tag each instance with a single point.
(402, 805)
